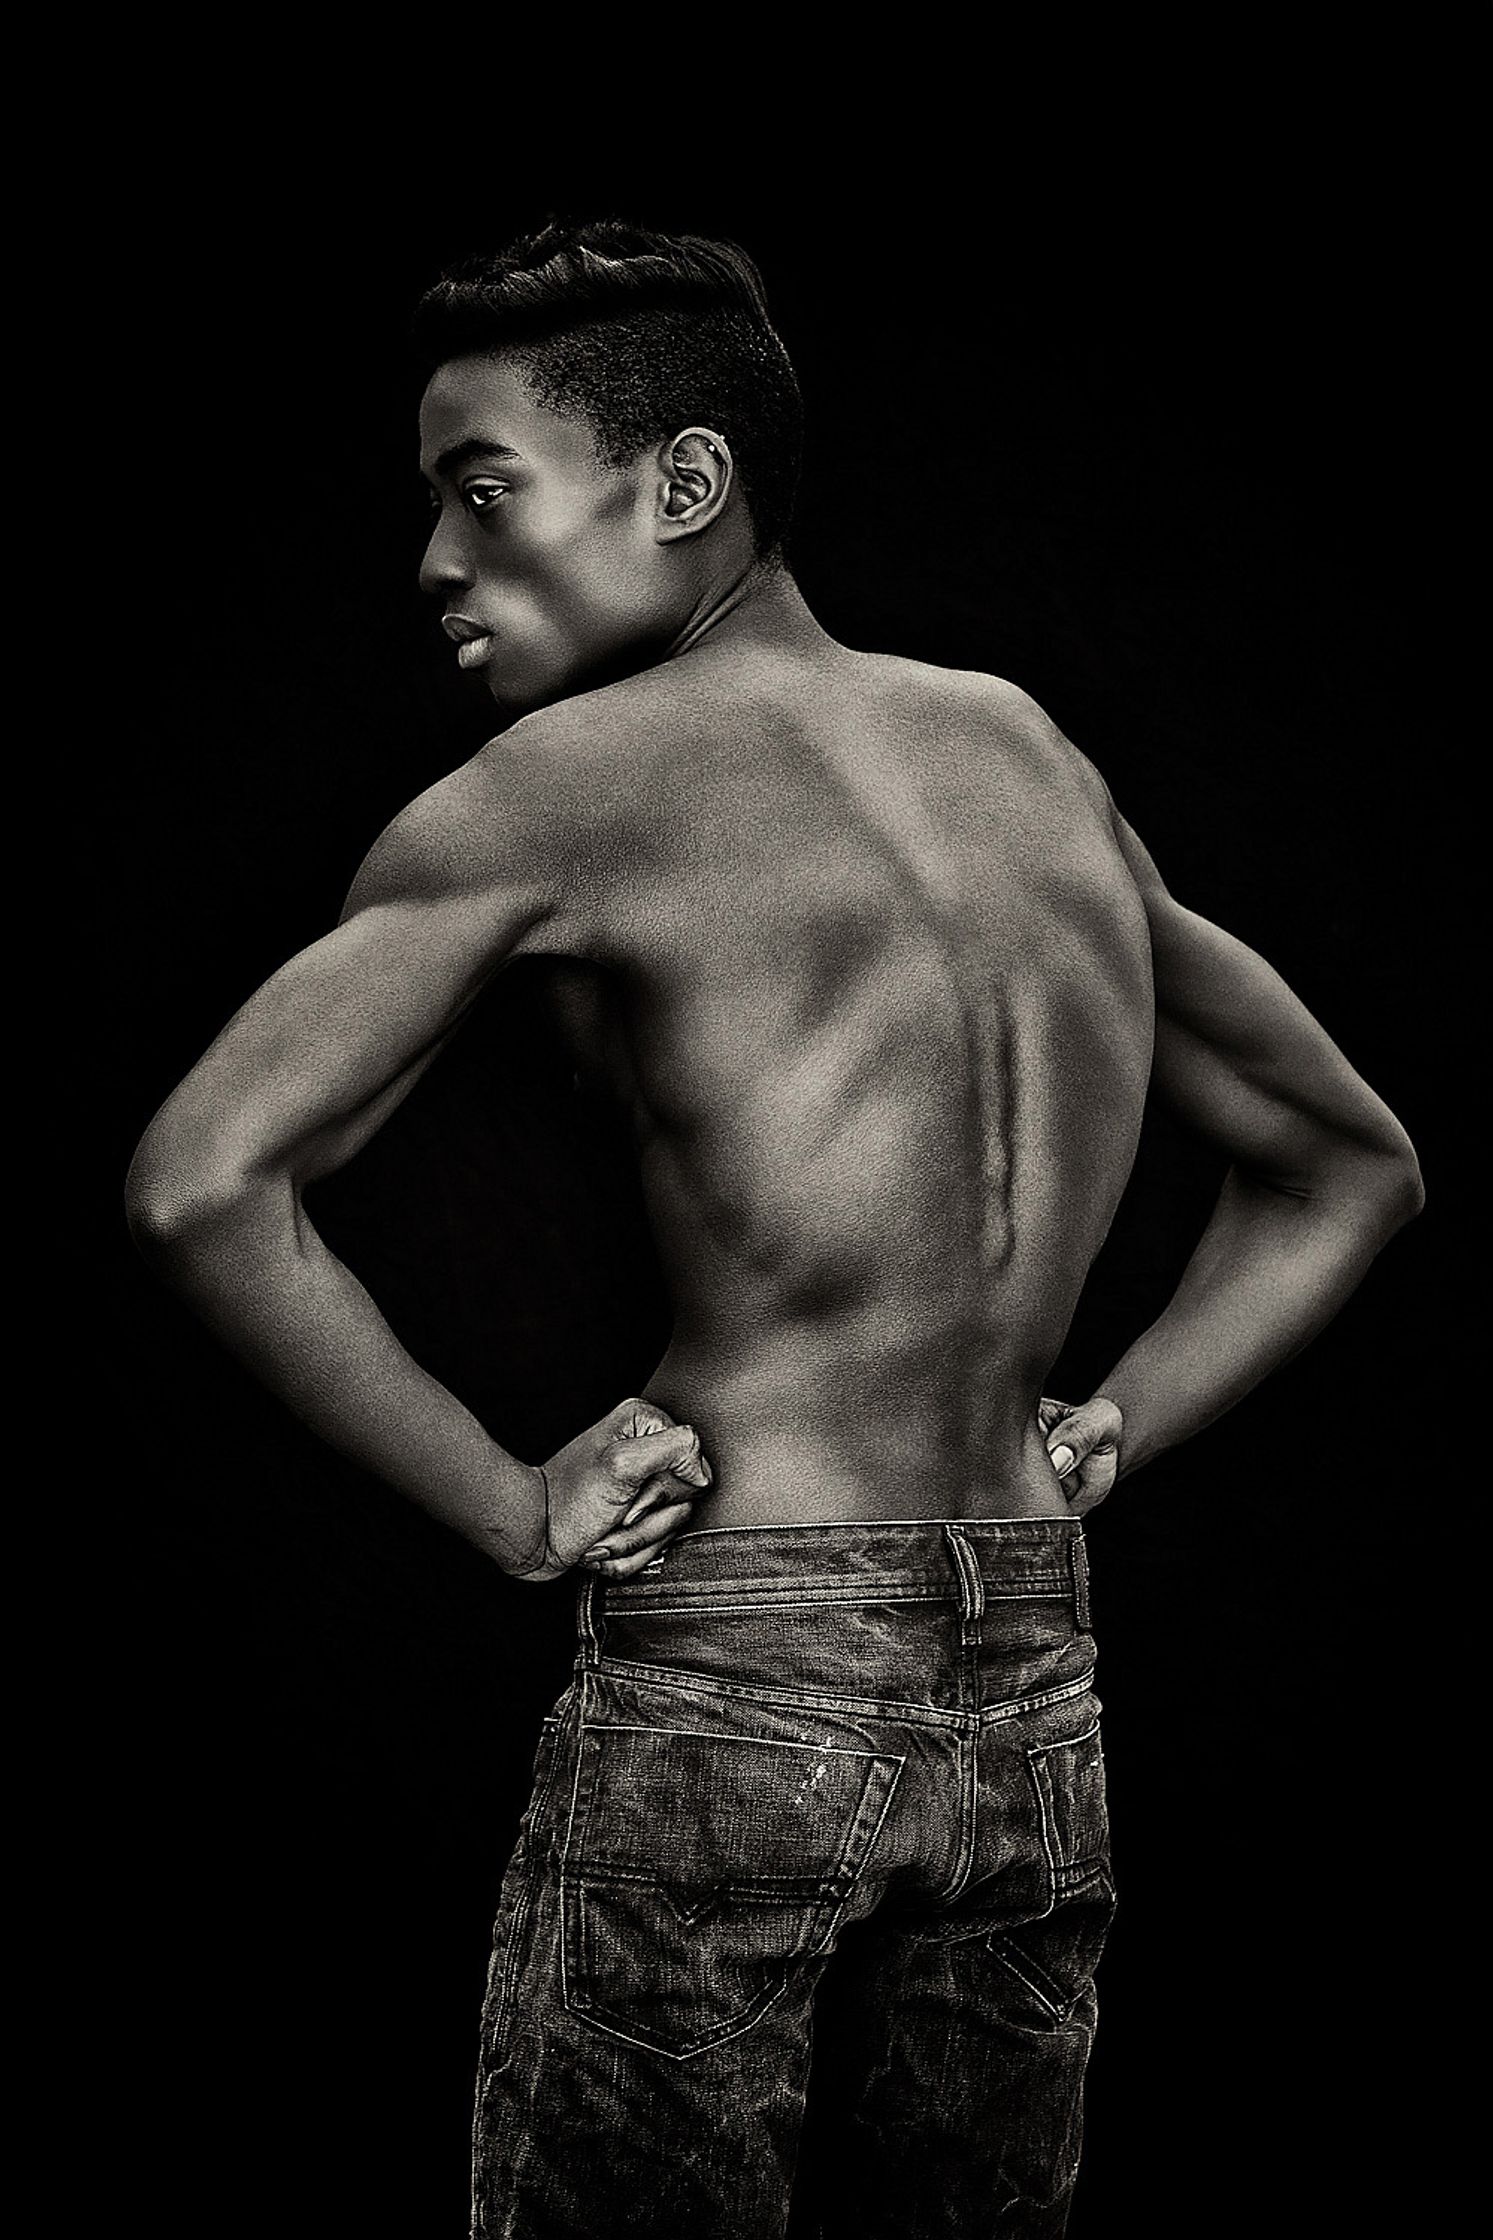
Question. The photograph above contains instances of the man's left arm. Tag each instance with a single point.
(1320, 1176)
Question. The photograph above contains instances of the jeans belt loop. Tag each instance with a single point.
(971, 1584)
(1078, 1563)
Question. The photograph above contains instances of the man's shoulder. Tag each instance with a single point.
(978, 693)
(511, 809)
(987, 708)
(563, 752)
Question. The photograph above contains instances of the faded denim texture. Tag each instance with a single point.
(832, 1789)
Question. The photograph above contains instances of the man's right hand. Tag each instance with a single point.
(620, 1492)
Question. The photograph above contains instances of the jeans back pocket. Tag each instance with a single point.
(1068, 1778)
(701, 1871)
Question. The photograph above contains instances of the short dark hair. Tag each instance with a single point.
(639, 333)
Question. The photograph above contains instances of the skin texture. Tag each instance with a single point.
(878, 972)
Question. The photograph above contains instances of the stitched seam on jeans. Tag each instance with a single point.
(1078, 1558)
(969, 1812)
(804, 1593)
(734, 2029)
(859, 1843)
(1044, 1817)
(892, 1709)
(528, 1892)
(1034, 1590)
(742, 1741)
(992, 1714)
(1044, 1998)
(679, 1594)
(763, 1889)
(773, 1582)
(1064, 1742)
(1079, 1871)
(680, 1681)
(992, 1528)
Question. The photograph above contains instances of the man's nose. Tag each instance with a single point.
(443, 568)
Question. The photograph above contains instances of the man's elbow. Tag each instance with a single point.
(173, 1203)
(1367, 1178)
(1405, 1188)
(1386, 1182)
(159, 1219)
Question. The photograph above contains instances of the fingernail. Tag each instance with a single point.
(597, 1555)
(1062, 1459)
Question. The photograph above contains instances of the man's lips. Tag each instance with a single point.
(473, 643)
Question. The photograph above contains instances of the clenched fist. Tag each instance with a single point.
(619, 1493)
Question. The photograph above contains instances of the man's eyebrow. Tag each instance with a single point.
(475, 447)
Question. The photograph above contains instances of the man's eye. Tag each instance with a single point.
(482, 496)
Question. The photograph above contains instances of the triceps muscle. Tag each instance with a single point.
(317, 1059)
(1241, 1059)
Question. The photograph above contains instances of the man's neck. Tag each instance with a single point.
(758, 607)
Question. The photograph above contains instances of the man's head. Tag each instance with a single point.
(611, 430)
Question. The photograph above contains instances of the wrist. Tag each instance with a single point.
(1131, 1445)
(536, 1559)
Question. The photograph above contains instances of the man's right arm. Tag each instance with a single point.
(476, 871)
(1321, 1175)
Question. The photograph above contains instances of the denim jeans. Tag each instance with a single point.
(799, 1934)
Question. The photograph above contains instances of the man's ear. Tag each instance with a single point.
(695, 477)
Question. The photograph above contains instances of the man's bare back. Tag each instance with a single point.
(872, 979)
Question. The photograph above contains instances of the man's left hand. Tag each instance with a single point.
(1083, 1446)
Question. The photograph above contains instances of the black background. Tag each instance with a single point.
(1161, 463)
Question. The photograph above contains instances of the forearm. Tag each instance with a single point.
(1269, 1272)
(258, 1273)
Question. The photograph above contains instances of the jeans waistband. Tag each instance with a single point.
(972, 1560)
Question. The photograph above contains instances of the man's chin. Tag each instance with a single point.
(515, 692)
(514, 700)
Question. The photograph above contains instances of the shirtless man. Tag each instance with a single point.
(882, 976)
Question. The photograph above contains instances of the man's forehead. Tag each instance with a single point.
(481, 402)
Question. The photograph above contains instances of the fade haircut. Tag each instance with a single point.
(641, 334)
